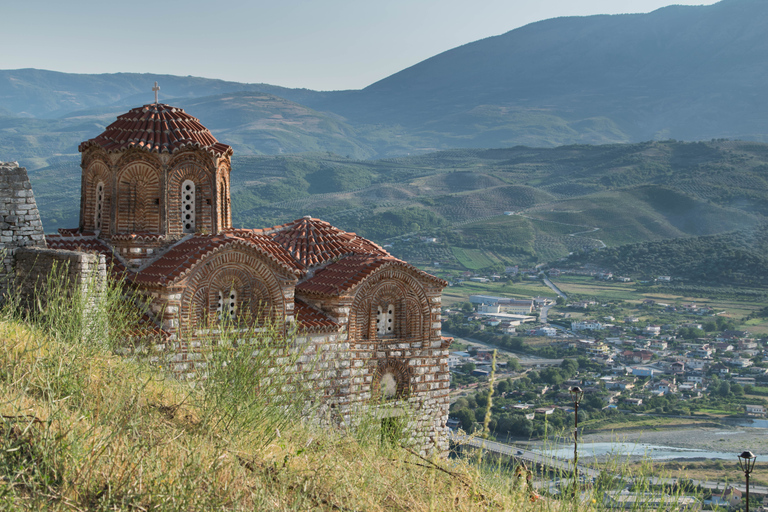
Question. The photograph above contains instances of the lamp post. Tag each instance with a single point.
(747, 464)
(576, 394)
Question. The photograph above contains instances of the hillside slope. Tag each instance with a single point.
(505, 206)
(682, 72)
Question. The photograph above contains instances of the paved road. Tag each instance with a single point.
(543, 314)
(553, 287)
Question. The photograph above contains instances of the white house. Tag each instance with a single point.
(652, 330)
(586, 326)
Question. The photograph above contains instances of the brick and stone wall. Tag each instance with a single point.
(77, 272)
(20, 224)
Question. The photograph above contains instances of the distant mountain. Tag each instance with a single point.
(51, 94)
(682, 72)
(679, 72)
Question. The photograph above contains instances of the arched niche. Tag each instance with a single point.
(256, 288)
(390, 380)
(184, 172)
(390, 286)
(138, 199)
(97, 200)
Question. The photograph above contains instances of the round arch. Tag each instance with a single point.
(257, 289)
(390, 285)
(97, 200)
(138, 198)
(190, 169)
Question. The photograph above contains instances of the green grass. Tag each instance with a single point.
(471, 259)
(522, 290)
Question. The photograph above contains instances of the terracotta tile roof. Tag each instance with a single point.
(313, 242)
(146, 328)
(158, 128)
(83, 244)
(343, 275)
(182, 257)
(311, 319)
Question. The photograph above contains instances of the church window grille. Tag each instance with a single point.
(188, 206)
(385, 320)
(99, 205)
(232, 306)
(226, 308)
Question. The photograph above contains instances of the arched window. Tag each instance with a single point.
(385, 320)
(188, 206)
(97, 218)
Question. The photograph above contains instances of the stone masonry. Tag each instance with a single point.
(20, 224)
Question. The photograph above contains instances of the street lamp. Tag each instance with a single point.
(576, 394)
(747, 464)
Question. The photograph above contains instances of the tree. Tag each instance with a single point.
(737, 389)
(468, 368)
(724, 389)
(552, 375)
(466, 418)
(569, 367)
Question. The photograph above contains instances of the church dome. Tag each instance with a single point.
(157, 128)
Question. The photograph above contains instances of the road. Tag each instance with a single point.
(553, 287)
(543, 313)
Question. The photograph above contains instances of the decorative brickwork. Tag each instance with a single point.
(368, 324)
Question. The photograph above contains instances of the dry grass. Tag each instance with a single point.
(85, 429)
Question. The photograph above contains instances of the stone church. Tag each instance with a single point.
(155, 201)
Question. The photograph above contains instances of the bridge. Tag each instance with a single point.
(531, 459)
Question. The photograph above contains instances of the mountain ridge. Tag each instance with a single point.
(679, 72)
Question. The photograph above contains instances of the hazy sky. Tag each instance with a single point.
(318, 44)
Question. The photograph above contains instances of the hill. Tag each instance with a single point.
(556, 200)
(683, 72)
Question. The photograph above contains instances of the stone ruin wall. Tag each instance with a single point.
(27, 261)
(20, 224)
(83, 272)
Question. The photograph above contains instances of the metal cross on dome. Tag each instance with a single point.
(156, 88)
